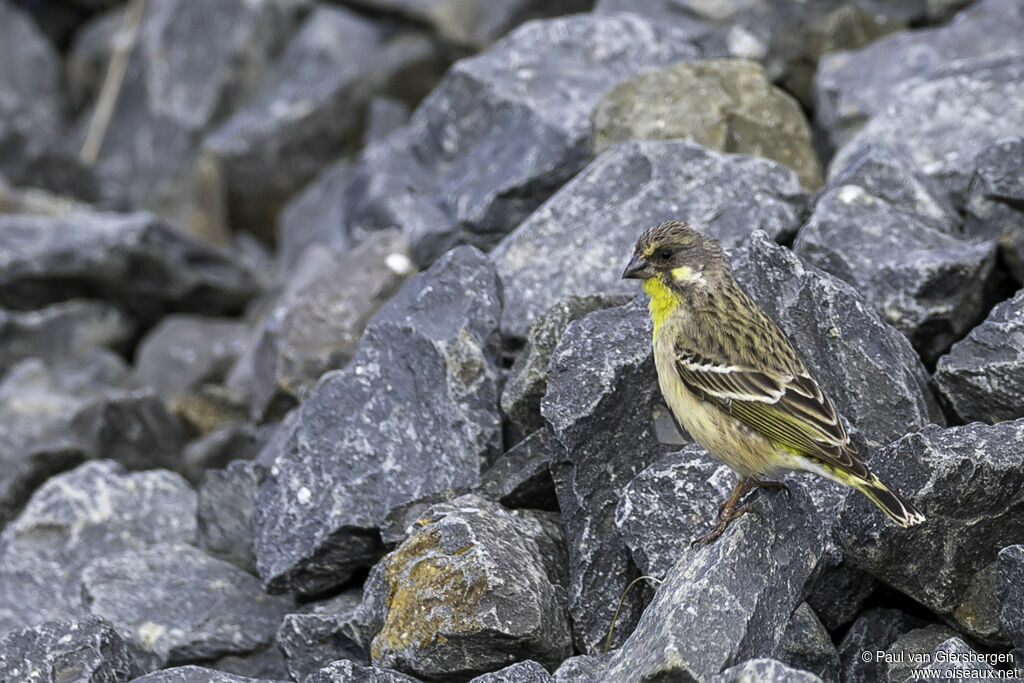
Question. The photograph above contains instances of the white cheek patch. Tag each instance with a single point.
(687, 274)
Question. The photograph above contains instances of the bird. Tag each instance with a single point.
(734, 380)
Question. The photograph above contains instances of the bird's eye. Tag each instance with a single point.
(663, 253)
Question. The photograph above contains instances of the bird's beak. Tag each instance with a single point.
(637, 269)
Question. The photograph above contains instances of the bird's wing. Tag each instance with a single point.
(788, 408)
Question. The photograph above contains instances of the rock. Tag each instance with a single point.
(982, 376)
(520, 672)
(384, 115)
(637, 184)
(221, 447)
(133, 259)
(501, 132)
(874, 630)
(414, 412)
(32, 105)
(474, 587)
(315, 216)
(210, 409)
(180, 604)
(226, 508)
(727, 105)
(602, 390)
(310, 109)
(33, 591)
(54, 651)
(764, 670)
(195, 674)
(189, 67)
(186, 351)
(978, 611)
(807, 646)
(851, 87)
(899, 660)
(97, 510)
(521, 477)
(1010, 591)
(983, 464)
(870, 371)
(956, 660)
(927, 284)
(317, 322)
(476, 23)
(994, 201)
(40, 202)
(345, 671)
(66, 330)
(88, 54)
(711, 613)
(582, 669)
(838, 589)
(312, 640)
(266, 663)
(980, 104)
(669, 504)
(527, 381)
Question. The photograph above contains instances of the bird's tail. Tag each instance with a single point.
(893, 505)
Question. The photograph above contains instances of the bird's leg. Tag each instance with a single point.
(774, 485)
(728, 511)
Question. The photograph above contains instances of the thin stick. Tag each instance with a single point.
(124, 42)
(615, 617)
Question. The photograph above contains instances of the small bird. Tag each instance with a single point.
(734, 381)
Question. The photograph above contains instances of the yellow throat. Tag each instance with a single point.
(663, 301)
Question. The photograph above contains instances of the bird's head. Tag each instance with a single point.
(677, 255)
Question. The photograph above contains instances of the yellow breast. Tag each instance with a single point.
(663, 302)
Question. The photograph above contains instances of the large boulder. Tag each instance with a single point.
(727, 105)
(730, 601)
(312, 639)
(501, 132)
(578, 241)
(310, 108)
(414, 412)
(982, 376)
(964, 480)
(473, 587)
(851, 87)
(927, 283)
(995, 201)
(1010, 591)
(873, 631)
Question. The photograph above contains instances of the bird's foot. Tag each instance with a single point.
(724, 520)
(774, 485)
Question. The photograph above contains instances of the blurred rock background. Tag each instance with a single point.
(315, 364)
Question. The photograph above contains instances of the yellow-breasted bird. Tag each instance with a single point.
(734, 381)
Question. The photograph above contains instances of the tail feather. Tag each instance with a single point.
(894, 506)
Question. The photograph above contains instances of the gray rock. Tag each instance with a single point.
(384, 115)
(97, 510)
(317, 322)
(521, 672)
(521, 477)
(728, 602)
(874, 630)
(502, 131)
(57, 651)
(472, 588)
(582, 669)
(838, 589)
(33, 591)
(1010, 591)
(429, 355)
(527, 380)
(982, 376)
(312, 640)
(926, 283)
(134, 259)
(602, 391)
(207, 410)
(764, 670)
(190, 66)
(983, 464)
(267, 663)
(221, 447)
(955, 660)
(345, 671)
(727, 105)
(626, 189)
(181, 604)
(669, 504)
(978, 611)
(851, 87)
(944, 122)
(32, 105)
(226, 508)
(870, 371)
(472, 23)
(195, 674)
(910, 650)
(185, 351)
(311, 107)
(66, 330)
(807, 646)
(995, 201)
(315, 216)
